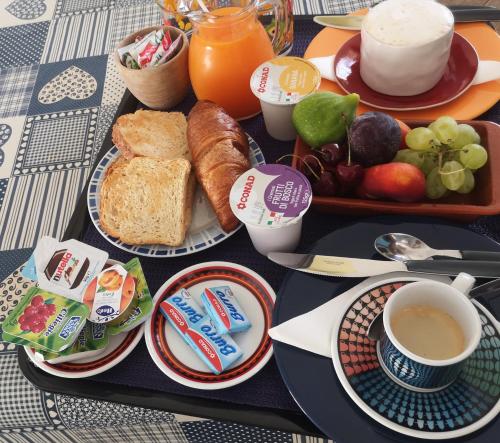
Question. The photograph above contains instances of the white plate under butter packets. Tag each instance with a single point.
(204, 231)
(178, 361)
(119, 347)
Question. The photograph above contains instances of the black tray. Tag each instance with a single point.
(284, 420)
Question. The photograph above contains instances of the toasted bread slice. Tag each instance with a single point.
(152, 134)
(147, 201)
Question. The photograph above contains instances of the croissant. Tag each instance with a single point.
(219, 151)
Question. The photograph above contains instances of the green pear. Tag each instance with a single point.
(323, 117)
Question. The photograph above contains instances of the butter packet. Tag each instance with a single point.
(142, 303)
(65, 268)
(91, 341)
(217, 351)
(45, 321)
(224, 310)
(182, 311)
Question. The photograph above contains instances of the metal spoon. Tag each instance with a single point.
(404, 247)
(376, 327)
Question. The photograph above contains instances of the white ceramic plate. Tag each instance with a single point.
(178, 361)
(119, 347)
(204, 231)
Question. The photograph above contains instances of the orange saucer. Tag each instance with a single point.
(475, 101)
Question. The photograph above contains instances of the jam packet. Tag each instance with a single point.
(110, 295)
(91, 341)
(218, 351)
(141, 305)
(224, 309)
(45, 321)
(65, 268)
(182, 311)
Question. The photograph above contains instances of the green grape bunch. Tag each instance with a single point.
(447, 153)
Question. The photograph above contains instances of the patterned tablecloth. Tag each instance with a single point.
(59, 91)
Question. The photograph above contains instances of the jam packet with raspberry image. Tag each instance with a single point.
(91, 341)
(45, 321)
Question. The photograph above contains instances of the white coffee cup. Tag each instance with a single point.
(405, 46)
(414, 371)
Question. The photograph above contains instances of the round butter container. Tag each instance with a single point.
(280, 84)
(271, 201)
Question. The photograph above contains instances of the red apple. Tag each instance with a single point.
(401, 182)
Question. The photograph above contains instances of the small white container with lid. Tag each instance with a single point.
(280, 84)
(271, 201)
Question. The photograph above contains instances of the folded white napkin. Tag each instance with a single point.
(312, 331)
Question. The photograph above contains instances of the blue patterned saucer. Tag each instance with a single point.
(204, 231)
(462, 407)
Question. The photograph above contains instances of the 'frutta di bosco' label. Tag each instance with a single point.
(270, 196)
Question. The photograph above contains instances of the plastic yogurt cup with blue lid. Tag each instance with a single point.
(271, 201)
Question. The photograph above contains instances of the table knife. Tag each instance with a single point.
(357, 267)
(353, 22)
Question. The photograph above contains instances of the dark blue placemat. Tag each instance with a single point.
(265, 389)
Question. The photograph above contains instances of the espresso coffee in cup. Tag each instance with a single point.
(430, 329)
(405, 46)
(417, 326)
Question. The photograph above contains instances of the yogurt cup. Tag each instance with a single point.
(271, 201)
(280, 84)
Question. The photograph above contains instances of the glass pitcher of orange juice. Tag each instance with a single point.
(228, 43)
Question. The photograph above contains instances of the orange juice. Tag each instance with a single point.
(224, 51)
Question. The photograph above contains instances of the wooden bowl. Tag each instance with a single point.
(158, 87)
(483, 200)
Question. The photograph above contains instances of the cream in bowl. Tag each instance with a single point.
(405, 46)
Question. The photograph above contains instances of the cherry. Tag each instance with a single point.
(349, 175)
(330, 154)
(311, 167)
(326, 185)
(37, 300)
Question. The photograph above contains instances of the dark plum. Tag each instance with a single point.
(374, 138)
(326, 185)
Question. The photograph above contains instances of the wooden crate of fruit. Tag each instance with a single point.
(378, 173)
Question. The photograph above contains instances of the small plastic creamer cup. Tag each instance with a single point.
(280, 84)
(271, 201)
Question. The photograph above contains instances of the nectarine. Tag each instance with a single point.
(401, 182)
(404, 130)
